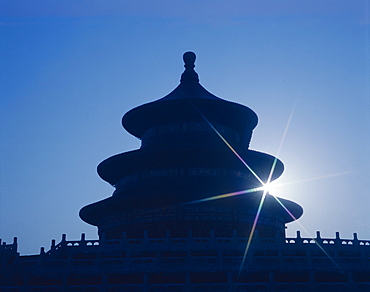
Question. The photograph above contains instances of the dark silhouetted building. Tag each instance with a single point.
(189, 213)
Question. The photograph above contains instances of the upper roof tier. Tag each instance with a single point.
(190, 101)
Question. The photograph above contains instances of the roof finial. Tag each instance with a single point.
(189, 73)
(189, 60)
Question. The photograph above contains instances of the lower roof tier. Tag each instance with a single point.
(237, 207)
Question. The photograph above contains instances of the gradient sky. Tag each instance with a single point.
(71, 69)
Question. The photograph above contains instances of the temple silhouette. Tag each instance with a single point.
(190, 213)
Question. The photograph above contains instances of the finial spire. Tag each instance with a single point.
(189, 60)
(189, 73)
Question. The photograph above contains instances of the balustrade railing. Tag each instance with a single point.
(211, 242)
(337, 241)
(12, 247)
(190, 242)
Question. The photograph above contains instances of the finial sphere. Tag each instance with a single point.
(189, 59)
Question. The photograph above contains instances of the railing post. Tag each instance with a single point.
(15, 244)
(299, 238)
(318, 237)
(83, 241)
(355, 239)
(337, 239)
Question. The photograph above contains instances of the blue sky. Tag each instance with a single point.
(71, 69)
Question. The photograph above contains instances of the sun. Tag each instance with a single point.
(271, 188)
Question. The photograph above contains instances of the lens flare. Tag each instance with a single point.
(226, 143)
(266, 187)
(225, 196)
(315, 178)
(310, 236)
(252, 231)
(271, 188)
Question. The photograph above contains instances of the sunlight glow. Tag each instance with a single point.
(271, 188)
(315, 178)
(267, 188)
